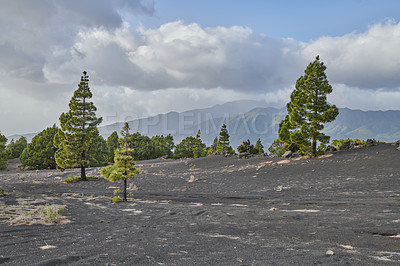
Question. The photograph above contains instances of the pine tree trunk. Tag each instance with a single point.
(125, 189)
(314, 147)
(83, 173)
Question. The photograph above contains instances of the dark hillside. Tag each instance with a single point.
(256, 211)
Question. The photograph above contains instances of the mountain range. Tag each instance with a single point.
(253, 120)
(248, 119)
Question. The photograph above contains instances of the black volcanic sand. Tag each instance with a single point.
(253, 211)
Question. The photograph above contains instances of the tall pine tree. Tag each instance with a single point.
(308, 110)
(77, 139)
(199, 149)
(223, 140)
(124, 166)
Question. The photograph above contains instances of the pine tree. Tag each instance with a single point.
(15, 149)
(259, 147)
(39, 154)
(112, 145)
(223, 140)
(3, 153)
(100, 152)
(246, 146)
(213, 147)
(124, 166)
(185, 148)
(162, 146)
(308, 110)
(199, 147)
(78, 136)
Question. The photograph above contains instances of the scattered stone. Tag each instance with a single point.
(329, 253)
(47, 247)
(283, 162)
(192, 179)
(347, 145)
(287, 154)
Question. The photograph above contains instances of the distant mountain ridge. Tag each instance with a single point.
(254, 119)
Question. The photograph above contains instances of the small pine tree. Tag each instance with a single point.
(78, 137)
(213, 147)
(223, 141)
(199, 149)
(246, 146)
(124, 166)
(3, 153)
(112, 145)
(259, 147)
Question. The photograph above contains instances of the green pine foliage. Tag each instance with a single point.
(277, 148)
(213, 147)
(15, 149)
(199, 148)
(100, 152)
(223, 141)
(308, 110)
(146, 148)
(78, 139)
(124, 166)
(185, 148)
(162, 146)
(40, 153)
(3, 153)
(259, 147)
(247, 147)
(112, 145)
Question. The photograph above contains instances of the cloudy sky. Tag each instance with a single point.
(149, 57)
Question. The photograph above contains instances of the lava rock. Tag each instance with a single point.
(287, 154)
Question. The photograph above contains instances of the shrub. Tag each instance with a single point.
(2, 191)
(72, 178)
(115, 199)
(246, 146)
(49, 213)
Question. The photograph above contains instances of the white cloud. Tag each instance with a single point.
(356, 98)
(45, 46)
(369, 60)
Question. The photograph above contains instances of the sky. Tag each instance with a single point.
(149, 57)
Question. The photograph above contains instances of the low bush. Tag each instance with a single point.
(115, 199)
(72, 178)
(49, 213)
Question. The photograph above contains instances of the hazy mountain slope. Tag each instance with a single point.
(183, 124)
(252, 120)
(263, 123)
